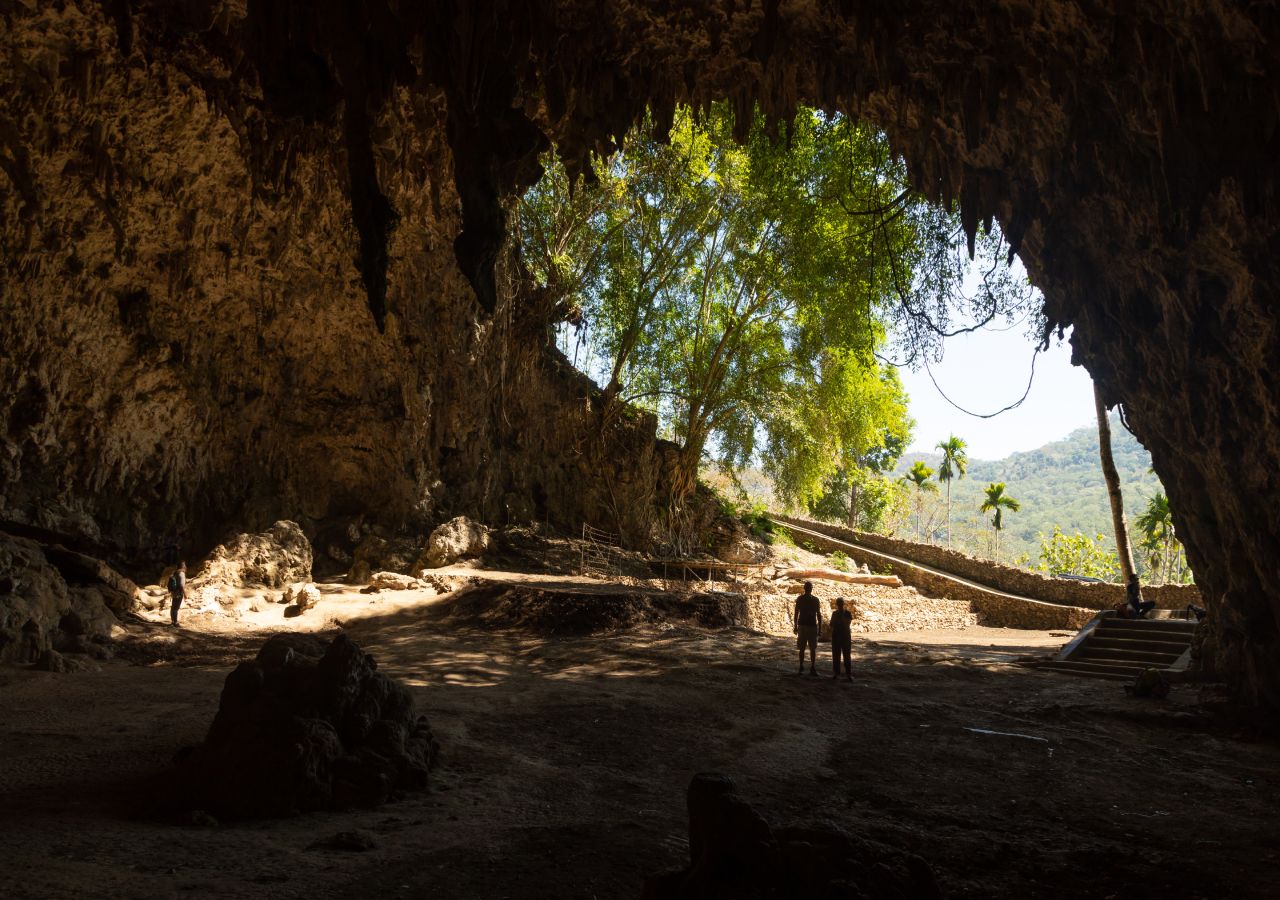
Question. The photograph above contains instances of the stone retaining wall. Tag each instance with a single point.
(1090, 595)
(992, 609)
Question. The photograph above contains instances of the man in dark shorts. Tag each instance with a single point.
(841, 640)
(808, 616)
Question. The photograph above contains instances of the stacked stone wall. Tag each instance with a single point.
(1011, 579)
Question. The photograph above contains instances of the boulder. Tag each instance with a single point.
(733, 852)
(393, 581)
(301, 727)
(454, 540)
(38, 607)
(274, 558)
(303, 595)
(52, 661)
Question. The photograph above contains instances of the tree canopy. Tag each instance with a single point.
(744, 292)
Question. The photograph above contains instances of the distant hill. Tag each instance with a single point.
(1059, 483)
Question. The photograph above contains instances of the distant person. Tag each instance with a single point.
(1139, 607)
(841, 640)
(808, 616)
(177, 590)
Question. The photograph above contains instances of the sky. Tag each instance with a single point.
(987, 370)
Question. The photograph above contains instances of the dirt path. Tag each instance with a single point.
(565, 762)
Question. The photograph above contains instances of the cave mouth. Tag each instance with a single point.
(316, 201)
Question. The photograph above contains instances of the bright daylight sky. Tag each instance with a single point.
(985, 371)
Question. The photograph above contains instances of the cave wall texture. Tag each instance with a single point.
(254, 251)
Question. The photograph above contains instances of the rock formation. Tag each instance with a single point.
(277, 557)
(53, 599)
(255, 261)
(456, 539)
(734, 853)
(304, 727)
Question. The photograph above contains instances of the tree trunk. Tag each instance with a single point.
(948, 513)
(853, 504)
(1112, 477)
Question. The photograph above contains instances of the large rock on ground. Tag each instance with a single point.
(735, 853)
(302, 595)
(454, 540)
(279, 556)
(306, 727)
(51, 597)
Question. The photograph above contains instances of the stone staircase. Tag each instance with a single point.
(1118, 649)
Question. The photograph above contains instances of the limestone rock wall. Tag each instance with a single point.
(187, 340)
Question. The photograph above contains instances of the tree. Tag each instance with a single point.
(1112, 478)
(742, 291)
(1156, 525)
(725, 289)
(1077, 554)
(955, 461)
(918, 476)
(998, 501)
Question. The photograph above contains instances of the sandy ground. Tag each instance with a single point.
(564, 764)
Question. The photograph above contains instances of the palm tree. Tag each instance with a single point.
(999, 501)
(919, 476)
(1112, 478)
(955, 462)
(1156, 525)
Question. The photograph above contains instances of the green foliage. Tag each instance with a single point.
(879, 502)
(1059, 484)
(955, 459)
(740, 291)
(839, 561)
(996, 501)
(1078, 554)
(1165, 560)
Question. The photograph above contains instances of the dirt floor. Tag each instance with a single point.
(565, 760)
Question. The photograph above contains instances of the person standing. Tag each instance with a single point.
(177, 590)
(841, 640)
(807, 617)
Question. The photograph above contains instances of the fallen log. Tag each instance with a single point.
(836, 575)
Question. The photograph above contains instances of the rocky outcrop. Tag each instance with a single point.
(304, 727)
(734, 852)
(254, 259)
(275, 558)
(301, 596)
(52, 599)
(456, 539)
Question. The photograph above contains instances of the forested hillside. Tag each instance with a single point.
(1057, 484)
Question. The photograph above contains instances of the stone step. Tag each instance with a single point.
(1092, 670)
(1137, 657)
(1146, 643)
(1154, 627)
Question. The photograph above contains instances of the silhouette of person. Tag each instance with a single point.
(807, 617)
(177, 590)
(1139, 606)
(841, 640)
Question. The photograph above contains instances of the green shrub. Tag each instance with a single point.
(839, 561)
